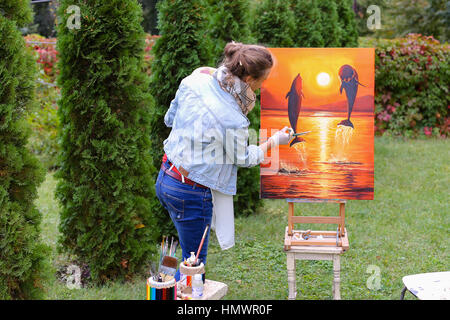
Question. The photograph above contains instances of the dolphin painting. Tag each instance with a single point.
(294, 105)
(349, 82)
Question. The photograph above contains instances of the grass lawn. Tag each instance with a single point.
(405, 230)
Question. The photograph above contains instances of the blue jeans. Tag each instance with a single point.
(190, 208)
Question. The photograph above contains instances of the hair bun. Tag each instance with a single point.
(246, 60)
(232, 48)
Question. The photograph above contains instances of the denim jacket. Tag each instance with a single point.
(209, 136)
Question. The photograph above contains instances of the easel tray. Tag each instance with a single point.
(316, 238)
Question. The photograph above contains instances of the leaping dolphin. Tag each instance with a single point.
(349, 82)
(295, 95)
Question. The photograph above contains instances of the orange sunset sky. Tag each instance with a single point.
(318, 68)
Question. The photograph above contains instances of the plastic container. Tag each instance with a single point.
(197, 286)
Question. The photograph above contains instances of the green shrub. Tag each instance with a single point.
(411, 85)
(105, 178)
(229, 20)
(331, 30)
(22, 254)
(274, 24)
(308, 31)
(348, 24)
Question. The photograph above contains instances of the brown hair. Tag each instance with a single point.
(246, 60)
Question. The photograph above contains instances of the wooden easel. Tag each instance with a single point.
(338, 238)
(315, 245)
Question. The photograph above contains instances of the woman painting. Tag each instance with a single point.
(208, 142)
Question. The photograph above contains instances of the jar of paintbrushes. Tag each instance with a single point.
(162, 285)
(189, 268)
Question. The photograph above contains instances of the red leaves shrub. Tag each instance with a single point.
(150, 41)
(46, 55)
(411, 85)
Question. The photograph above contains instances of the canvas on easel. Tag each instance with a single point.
(327, 96)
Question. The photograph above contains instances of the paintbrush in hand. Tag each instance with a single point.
(300, 133)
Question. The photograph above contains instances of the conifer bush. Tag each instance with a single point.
(229, 21)
(348, 24)
(22, 254)
(106, 174)
(183, 46)
(309, 28)
(331, 30)
(274, 24)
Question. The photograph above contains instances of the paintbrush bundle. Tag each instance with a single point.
(167, 260)
(169, 266)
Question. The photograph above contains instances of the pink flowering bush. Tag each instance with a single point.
(46, 56)
(411, 86)
(150, 41)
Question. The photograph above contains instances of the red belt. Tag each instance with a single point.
(177, 176)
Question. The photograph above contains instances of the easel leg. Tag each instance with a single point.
(336, 277)
(291, 275)
(290, 216)
(342, 216)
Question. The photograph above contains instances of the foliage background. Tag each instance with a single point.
(411, 74)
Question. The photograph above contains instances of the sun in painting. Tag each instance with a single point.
(323, 79)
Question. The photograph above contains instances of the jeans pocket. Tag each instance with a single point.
(207, 206)
(175, 206)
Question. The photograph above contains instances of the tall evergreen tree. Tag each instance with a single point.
(274, 23)
(230, 21)
(105, 178)
(22, 254)
(348, 24)
(308, 24)
(183, 46)
(331, 30)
